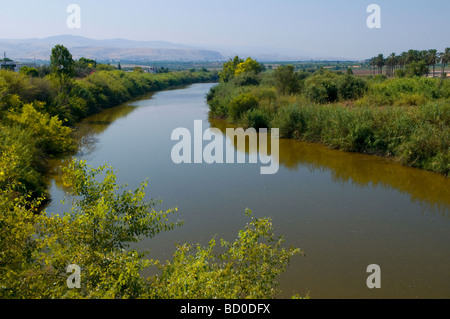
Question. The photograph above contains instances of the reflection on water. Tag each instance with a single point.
(86, 134)
(345, 210)
(431, 189)
(86, 131)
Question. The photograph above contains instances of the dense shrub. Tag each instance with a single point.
(219, 98)
(407, 117)
(247, 78)
(257, 119)
(402, 91)
(290, 121)
(286, 80)
(241, 104)
(350, 87)
(322, 87)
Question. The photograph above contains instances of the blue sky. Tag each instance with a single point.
(325, 27)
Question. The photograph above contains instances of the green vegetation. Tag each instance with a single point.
(411, 62)
(235, 67)
(248, 268)
(99, 234)
(407, 118)
(105, 221)
(38, 106)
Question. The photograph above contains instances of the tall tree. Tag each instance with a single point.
(373, 64)
(391, 62)
(286, 80)
(402, 59)
(433, 58)
(411, 56)
(229, 69)
(249, 65)
(424, 56)
(61, 61)
(445, 58)
(62, 64)
(380, 62)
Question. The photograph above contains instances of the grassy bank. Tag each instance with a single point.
(406, 118)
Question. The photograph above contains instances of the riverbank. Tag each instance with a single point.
(37, 116)
(407, 119)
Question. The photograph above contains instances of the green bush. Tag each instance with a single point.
(219, 98)
(286, 80)
(20, 165)
(33, 72)
(256, 118)
(322, 87)
(290, 121)
(416, 90)
(241, 104)
(411, 100)
(350, 87)
(317, 93)
(428, 147)
(247, 78)
(416, 68)
(48, 133)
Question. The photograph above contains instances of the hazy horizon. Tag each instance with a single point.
(327, 28)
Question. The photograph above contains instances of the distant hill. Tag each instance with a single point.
(104, 50)
(114, 50)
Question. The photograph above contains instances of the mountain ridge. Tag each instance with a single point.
(118, 49)
(107, 49)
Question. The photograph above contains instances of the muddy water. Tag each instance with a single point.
(344, 210)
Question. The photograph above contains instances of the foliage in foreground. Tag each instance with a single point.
(99, 233)
(248, 268)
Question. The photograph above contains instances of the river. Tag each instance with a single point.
(344, 210)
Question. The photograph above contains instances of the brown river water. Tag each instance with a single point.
(344, 210)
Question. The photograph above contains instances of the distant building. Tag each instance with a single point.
(7, 64)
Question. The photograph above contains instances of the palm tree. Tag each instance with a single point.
(380, 63)
(391, 62)
(445, 58)
(373, 63)
(424, 56)
(411, 56)
(433, 58)
(402, 59)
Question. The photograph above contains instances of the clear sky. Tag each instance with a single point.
(325, 27)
